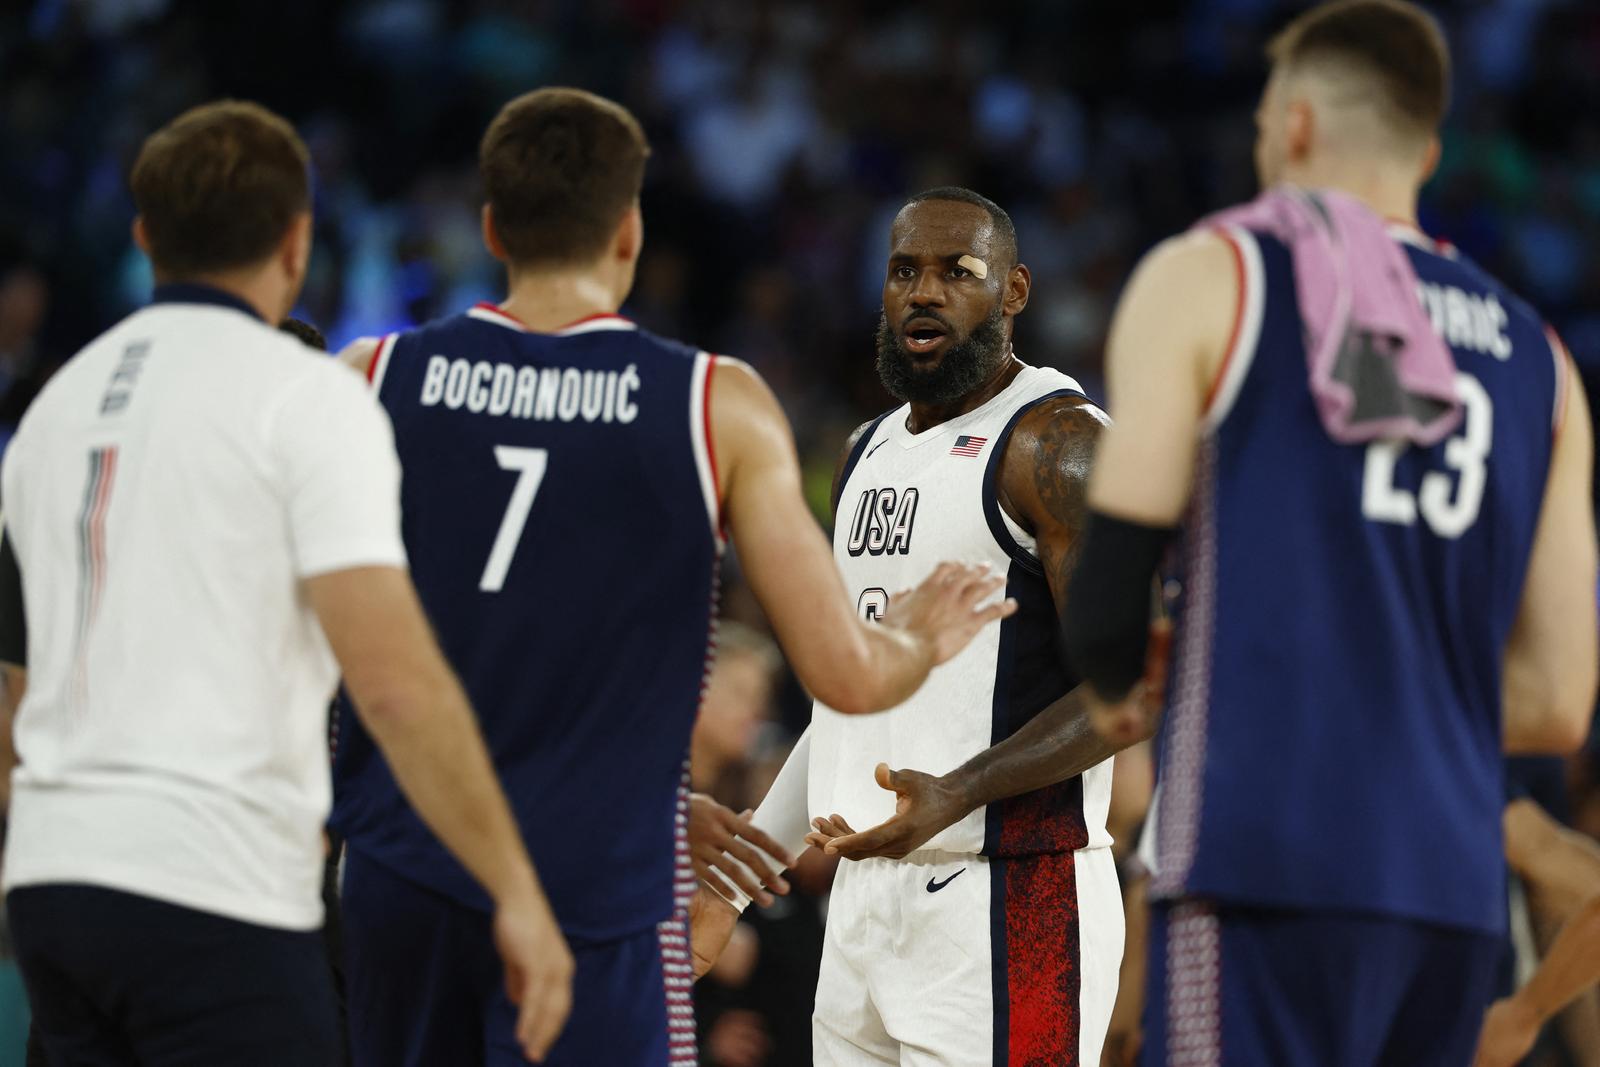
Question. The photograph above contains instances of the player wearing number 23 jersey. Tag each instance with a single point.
(1376, 468)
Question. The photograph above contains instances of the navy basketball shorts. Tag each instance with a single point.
(943, 959)
(115, 978)
(425, 986)
(1257, 987)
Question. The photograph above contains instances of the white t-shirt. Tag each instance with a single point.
(165, 494)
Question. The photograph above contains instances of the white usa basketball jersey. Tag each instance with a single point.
(908, 502)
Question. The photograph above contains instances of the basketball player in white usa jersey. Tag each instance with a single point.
(974, 928)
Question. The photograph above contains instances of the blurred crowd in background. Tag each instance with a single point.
(786, 134)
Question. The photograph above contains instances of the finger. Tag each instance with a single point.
(765, 842)
(886, 833)
(1001, 610)
(841, 827)
(885, 777)
(818, 841)
(528, 1011)
(556, 1001)
(823, 826)
(754, 875)
(981, 584)
(882, 840)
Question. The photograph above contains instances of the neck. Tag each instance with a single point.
(255, 287)
(548, 300)
(926, 416)
(1377, 184)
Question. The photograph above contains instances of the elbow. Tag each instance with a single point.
(1559, 728)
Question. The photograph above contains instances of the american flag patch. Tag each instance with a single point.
(968, 446)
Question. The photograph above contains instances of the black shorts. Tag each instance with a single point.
(115, 978)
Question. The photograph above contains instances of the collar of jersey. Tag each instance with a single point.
(908, 440)
(1407, 232)
(196, 293)
(487, 312)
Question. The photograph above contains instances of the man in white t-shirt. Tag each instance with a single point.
(202, 525)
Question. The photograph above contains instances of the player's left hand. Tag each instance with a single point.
(1509, 1031)
(711, 923)
(924, 805)
(715, 833)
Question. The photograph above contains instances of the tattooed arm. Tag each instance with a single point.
(1043, 477)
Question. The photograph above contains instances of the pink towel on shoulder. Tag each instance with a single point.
(1377, 367)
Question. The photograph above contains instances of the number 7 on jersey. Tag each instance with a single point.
(529, 463)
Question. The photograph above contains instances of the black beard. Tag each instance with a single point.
(966, 365)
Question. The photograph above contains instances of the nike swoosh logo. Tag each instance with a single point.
(934, 886)
(874, 448)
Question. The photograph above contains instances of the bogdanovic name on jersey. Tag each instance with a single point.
(543, 394)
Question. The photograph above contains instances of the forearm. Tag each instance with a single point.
(897, 665)
(783, 812)
(1056, 744)
(431, 741)
(1571, 966)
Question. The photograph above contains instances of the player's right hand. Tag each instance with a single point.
(538, 971)
(945, 609)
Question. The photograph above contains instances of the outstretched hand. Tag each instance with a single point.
(924, 805)
(947, 609)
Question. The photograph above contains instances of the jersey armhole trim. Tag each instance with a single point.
(991, 483)
(705, 458)
(1563, 360)
(1248, 307)
(380, 361)
(854, 458)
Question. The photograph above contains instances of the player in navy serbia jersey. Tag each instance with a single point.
(1361, 626)
(567, 481)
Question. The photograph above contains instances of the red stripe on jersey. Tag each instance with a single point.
(378, 354)
(1043, 963)
(1238, 318)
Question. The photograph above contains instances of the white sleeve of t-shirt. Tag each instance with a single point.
(339, 473)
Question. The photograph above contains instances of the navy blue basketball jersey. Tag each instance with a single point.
(560, 512)
(1333, 732)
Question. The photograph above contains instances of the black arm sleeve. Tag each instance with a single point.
(13, 626)
(1106, 623)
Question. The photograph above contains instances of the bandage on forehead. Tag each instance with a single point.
(978, 267)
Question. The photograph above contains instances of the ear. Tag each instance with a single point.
(296, 248)
(629, 241)
(1019, 283)
(1430, 159)
(491, 240)
(141, 236)
(1299, 130)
